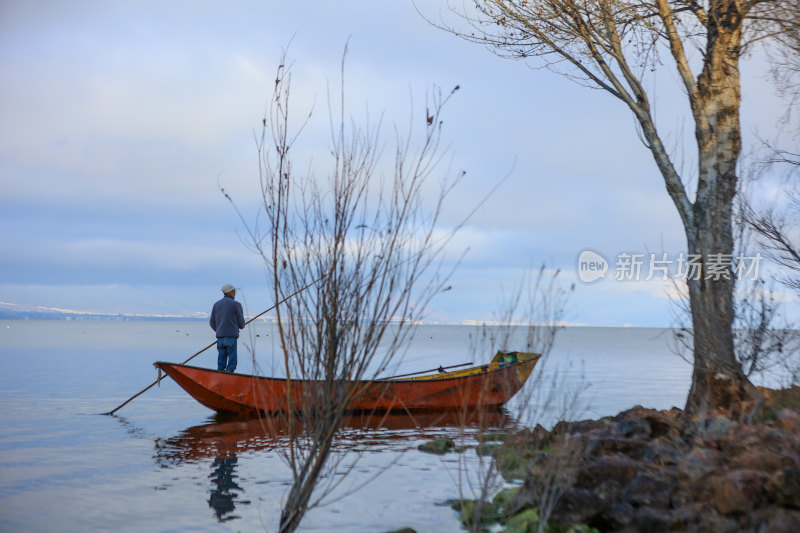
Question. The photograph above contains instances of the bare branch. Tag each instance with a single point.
(374, 242)
(612, 45)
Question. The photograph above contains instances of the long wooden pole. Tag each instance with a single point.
(439, 369)
(153, 384)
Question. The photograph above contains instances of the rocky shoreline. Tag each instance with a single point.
(649, 470)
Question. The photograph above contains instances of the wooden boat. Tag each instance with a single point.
(486, 386)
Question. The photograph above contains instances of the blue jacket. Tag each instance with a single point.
(227, 317)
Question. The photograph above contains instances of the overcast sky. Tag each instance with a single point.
(120, 119)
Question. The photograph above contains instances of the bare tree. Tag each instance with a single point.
(773, 226)
(760, 341)
(776, 232)
(763, 338)
(369, 234)
(613, 45)
(784, 57)
(530, 316)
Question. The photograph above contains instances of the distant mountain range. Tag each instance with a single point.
(10, 311)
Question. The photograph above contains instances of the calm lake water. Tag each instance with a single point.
(167, 463)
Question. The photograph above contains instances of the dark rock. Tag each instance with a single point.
(607, 442)
(699, 441)
(649, 491)
(647, 470)
(777, 438)
(635, 412)
(607, 473)
(763, 448)
(659, 423)
(577, 506)
(620, 516)
(663, 424)
(403, 530)
(713, 522)
(518, 449)
(651, 520)
(699, 462)
(784, 488)
(713, 428)
(684, 516)
(527, 496)
(583, 426)
(775, 520)
(760, 458)
(632, 428)
(538, 437)
(740, 438)
(540, 434)
(660, 452)
(737, 491)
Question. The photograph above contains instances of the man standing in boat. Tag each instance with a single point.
(227, 318)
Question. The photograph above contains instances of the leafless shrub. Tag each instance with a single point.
(371, 244)
(530, 317)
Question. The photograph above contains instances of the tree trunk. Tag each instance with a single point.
(717, 381)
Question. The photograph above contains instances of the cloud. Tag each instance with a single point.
(119, 124)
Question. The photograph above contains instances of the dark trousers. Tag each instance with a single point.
(226, 360)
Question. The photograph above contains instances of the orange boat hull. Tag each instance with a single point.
(486, 387)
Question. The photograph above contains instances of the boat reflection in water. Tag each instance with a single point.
(225, 435)
(225, 438)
